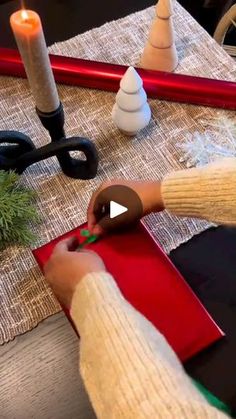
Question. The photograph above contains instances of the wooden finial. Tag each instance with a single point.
(164, 9)
(160, 51)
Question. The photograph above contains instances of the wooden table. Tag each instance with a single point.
(39, 375)
(38, 371)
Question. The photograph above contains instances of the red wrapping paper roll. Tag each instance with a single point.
(106, 76)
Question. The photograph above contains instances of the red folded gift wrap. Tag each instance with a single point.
(151, 283)
(107, 76)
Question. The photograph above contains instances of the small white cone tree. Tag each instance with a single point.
(160, 51)
(131, 112)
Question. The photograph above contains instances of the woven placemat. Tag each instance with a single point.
(25, 298)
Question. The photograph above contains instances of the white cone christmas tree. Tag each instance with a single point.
(160, 51)
(131, 112)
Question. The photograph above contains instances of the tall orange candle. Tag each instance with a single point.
(28, 32)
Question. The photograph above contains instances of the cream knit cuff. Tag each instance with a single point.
(208, 192)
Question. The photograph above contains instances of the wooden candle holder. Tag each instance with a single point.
(19, 152)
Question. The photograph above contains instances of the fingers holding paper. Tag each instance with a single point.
(67, 267)
(120, 203)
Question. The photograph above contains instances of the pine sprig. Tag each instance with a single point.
(17, 211)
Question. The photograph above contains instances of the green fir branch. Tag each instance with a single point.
(17, 211)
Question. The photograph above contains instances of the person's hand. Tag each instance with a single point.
(148, 192)
(67, 267)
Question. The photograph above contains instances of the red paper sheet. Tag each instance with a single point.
(151, 283)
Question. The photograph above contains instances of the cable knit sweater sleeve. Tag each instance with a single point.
(208, 192)
(128, 368)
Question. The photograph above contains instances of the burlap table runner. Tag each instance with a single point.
(24, 296)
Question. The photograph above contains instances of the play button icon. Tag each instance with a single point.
(116, 209)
